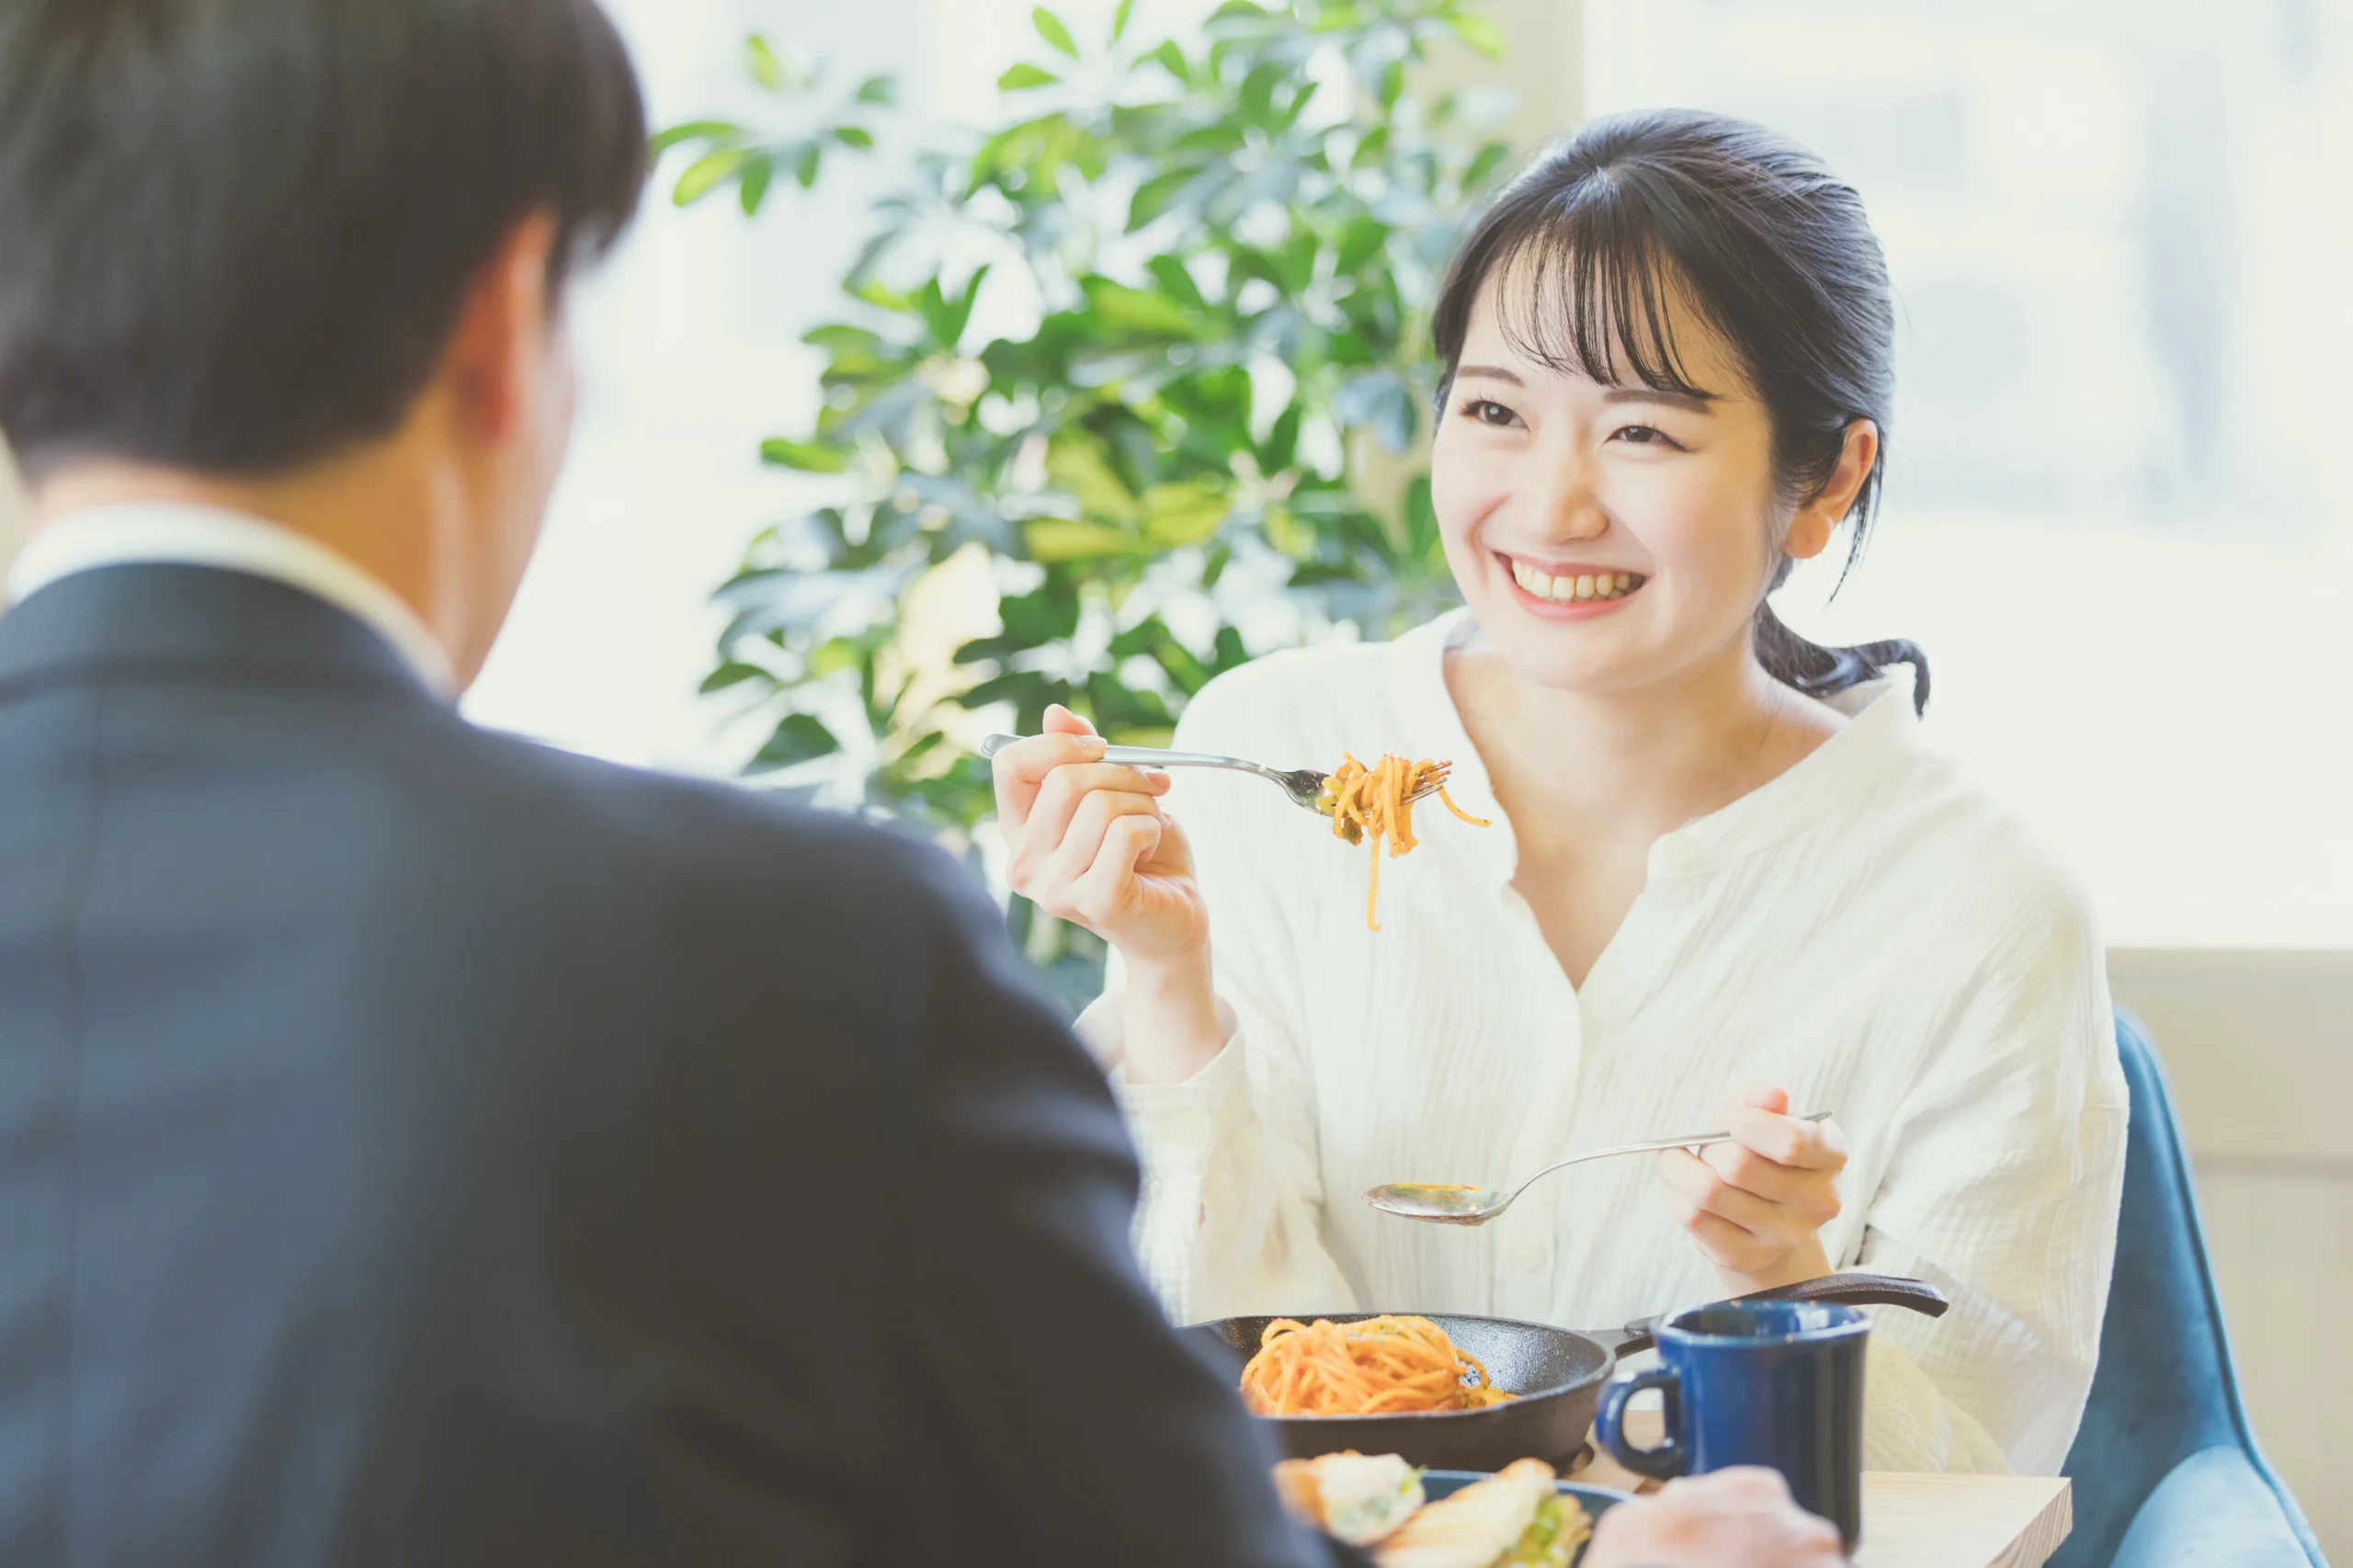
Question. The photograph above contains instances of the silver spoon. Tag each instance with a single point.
(1452, 1205)
(1303, 784)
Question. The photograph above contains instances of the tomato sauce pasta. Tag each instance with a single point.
(1383, 1366)
(1368, 804)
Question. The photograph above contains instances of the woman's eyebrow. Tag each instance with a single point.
(1695, 403)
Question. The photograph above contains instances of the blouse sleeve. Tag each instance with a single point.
(2002, 1192)
(1231, 1216)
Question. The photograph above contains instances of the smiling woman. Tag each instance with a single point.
(1720, 857)
(1593, 256)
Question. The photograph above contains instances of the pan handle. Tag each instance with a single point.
(1849, 1290)
(1862, 1290)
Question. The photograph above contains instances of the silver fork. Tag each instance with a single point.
(1303, 784)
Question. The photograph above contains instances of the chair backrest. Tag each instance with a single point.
(2165, 1388)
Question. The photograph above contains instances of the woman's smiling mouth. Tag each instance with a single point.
(1570, 586)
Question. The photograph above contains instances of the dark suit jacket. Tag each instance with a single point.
(419, 1147)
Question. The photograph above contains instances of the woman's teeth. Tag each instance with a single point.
(1600, 585)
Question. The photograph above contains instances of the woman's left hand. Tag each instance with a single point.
(1757, 1204)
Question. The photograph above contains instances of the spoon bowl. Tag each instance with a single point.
(1443, 1202)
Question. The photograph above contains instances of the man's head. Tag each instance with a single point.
(248, 240)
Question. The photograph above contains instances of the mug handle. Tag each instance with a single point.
(1662, 1463)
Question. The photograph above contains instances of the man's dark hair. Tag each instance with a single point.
(235, 234)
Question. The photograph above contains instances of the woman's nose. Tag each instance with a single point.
(1564, 503)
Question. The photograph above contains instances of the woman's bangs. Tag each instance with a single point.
(1587, 289)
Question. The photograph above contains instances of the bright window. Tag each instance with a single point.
(2120, 519)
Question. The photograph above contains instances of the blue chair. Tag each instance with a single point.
(2165, 1469)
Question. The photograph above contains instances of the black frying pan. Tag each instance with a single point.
(1556, 1373)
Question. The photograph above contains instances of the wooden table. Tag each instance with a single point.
(1962, 1521)
(1921, 1521)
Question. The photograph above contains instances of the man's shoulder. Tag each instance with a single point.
(720, 843)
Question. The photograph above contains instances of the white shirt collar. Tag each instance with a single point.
(1881, 733)
(173, 534)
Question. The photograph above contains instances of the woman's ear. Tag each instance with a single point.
(1819, 518)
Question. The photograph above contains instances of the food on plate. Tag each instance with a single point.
(1357, 1498)
(1516, 1519)
(1368, 804)
(1382, 1366)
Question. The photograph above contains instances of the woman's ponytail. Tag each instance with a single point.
(1821, 672)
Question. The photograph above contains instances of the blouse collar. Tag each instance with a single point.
(1881, 735)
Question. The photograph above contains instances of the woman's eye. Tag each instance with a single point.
(1645, 436)
(1488, 413)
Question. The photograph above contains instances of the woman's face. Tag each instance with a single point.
(1605, 537)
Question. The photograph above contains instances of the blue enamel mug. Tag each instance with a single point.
(1775, 1384)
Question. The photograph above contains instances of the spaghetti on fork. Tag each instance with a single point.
(1368, 804)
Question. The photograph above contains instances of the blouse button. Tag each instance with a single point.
(1526, 1256)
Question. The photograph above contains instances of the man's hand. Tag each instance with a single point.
(1733, 1519)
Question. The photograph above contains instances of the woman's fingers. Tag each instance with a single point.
(1069, 787)
(1022, 769)
(1082, 843)
(1756, 1204)
(1721, 1242)
(1785, 1139)
(1109, 888)
(1811, 1190)
(1695, 1188)
(1061, 721)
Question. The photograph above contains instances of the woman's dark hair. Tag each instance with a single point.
(235, 234)
(1751, 232)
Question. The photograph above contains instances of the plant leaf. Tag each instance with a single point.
(1155, 196)
(1077, 466)
(855, 136)
(1483, 168)
(883, 90)
(1022, 77)
(806, 166)
(1119, 20)
(838, 337)
(761, 59)
(1139, 312)
(1171, 59)
(1169, 272)
(957, 314)
(732, 674)
(780, 454)
(695, 130)
(1421, 520)
(707, 172)
(801, 737)
(1178, 515)
(756, 186)
(1067, 538)
(1480, 32)
(1049, 28)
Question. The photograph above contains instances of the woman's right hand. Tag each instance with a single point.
(1090, 845)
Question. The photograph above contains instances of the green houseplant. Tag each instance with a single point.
(1133, 381)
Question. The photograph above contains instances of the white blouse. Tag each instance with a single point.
(1869, 930)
